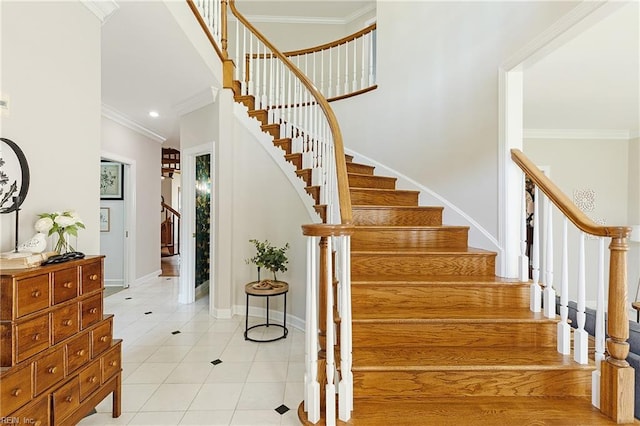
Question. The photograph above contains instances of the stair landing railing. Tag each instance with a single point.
(170, 228)
(613, 379)
(254, 67)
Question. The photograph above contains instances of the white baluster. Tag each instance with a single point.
(346, 384)
(524, 259)
(580, 336)
(372, 57)
(263, 98)
(536, 296)
(549, 291)
(346, 68)
(599, 331)
(338, 71)
(330, 389)
(363, 72)
(250, 69)
(330, 86)
(312, 386)
(564, 329)
(354, 83)
(240, 60)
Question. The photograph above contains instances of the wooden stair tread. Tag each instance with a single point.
(481, 411)
(467, 358)
(444, 315)
(462, 251)
(446, 279)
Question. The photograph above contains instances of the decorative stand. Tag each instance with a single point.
(281, 288)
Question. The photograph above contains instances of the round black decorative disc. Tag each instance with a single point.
(14, 176)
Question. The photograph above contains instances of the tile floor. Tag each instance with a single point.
(168, 376)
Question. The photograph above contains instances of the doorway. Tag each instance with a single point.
(197, 221)
(117, 236)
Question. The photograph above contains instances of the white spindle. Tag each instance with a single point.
(599, 331)
(346, 68)
(263, 98)
(564, 329)
(363, 72)
(536, 296)
(524, 260)
(345, 392)
(338, 70)
(372, 58)
(580, 335)
(330, 85)
(330, 390)
(354, 83)
(251, 89)
(549, 291)
(312, 386)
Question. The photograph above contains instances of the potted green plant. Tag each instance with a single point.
(269, 257)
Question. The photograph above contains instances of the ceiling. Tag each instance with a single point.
(591, 84)
(148, 64)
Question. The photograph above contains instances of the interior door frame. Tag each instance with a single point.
(130, 179)
(186, 290)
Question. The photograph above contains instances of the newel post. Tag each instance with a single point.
(617, 387)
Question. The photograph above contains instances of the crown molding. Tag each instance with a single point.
(310, 19)
(115, 115)
(577, 134)
(197, 101)
(101, 8)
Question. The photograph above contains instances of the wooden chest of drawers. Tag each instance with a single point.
(58, 357)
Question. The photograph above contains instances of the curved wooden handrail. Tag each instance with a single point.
(562, 202)
(346, 214)
(171, 209)
(331, 44)
(221, 54)
(326, 230)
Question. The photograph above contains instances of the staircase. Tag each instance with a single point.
(438, 339)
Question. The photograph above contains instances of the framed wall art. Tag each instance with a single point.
(105, 219)
(111, 181)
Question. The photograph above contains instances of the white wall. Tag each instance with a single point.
(112, 243)
(434, 116)
(252, 198)
(50, 71)
(600, 165)
(146, 153)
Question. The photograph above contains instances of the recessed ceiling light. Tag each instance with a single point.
(154, 114)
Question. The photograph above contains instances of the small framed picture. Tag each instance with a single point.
(111, 181)
(105, 219)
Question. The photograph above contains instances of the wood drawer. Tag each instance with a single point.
(65, 400)
(89, 379)
(16, 389)
(77, 352)
(64, 322)
(101, 337)
(32, 294)
(91, 310)
(48, 370)
(32, 337)
(65, 285)
(111, 362)
(92, 276)
(35, 414)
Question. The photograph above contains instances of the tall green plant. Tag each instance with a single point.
(269, 257)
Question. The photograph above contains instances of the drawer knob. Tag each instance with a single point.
(80, 352)
(16, 392)
(104, 338)
(69, 398)
(93, 379)
(35, 293)
(93, 310)
(52, 370)
(113, 363)
(36, 337)
(93, 277)
(68, 284)
(67, 323)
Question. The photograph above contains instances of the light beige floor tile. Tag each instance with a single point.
(190, 372)
(255, 418)
(157, 418)
(268, 372)
(151, 372)
(261, 396)
(217, 396)
(171, 397)
(207, 418)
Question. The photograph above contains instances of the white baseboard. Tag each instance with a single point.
(274, 314)
(147, 277)
(114, 283)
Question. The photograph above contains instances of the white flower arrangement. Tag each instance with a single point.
(61, 223)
